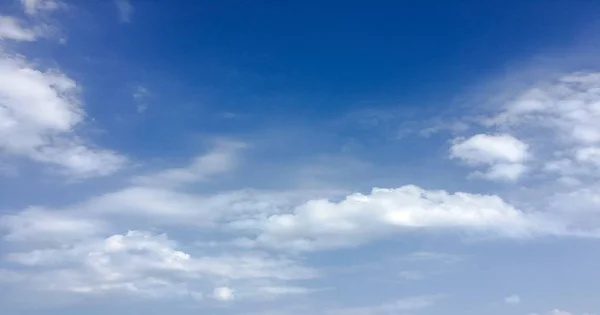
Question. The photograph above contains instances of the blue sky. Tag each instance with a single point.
(320, 157)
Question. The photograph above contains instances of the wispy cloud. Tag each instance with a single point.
(125, 10)
(513, 299)
(405, 304)
(13, 28)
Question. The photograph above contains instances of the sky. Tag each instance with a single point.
(299, 157)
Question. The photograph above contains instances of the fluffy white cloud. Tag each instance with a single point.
(504, 154)
(319, 224)
(562, 116)
(490, 149)
(39, 112)
(559, 119)
(146, 264)
(513, 299)
(569, 106)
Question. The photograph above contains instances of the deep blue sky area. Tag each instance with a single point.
(296, 62)
(347, 48)
(333, 54)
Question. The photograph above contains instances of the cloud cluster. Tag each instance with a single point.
(558, 118)
(321, 224)
(33, 7)
(40, 112)
(12, 28)
(35, 27)
(146, 264)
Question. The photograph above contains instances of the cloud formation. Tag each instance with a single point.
(14, 29)
(40, 111)
(321, 224)
(503, 154)
(33, 7)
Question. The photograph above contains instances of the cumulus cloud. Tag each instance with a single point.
(503, 154)
(559, 118)
(39, 114)
(569, 106)
(320, 224)
(146, 264)
(562, 116)
(489, 149)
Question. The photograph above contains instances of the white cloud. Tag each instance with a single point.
(502, 172)
(504, 154)
(156, 205)
(145, 264)
(562, 117)
(221, 159)
(513, 299)
(41, 225)
(490, 149)
(39, 112)
(588, 155)
(223, 294)
(141, 95)
(125, 10)
(319, 224)
(569, 106)
(33, 7)
(13, 28)
(559, 119)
